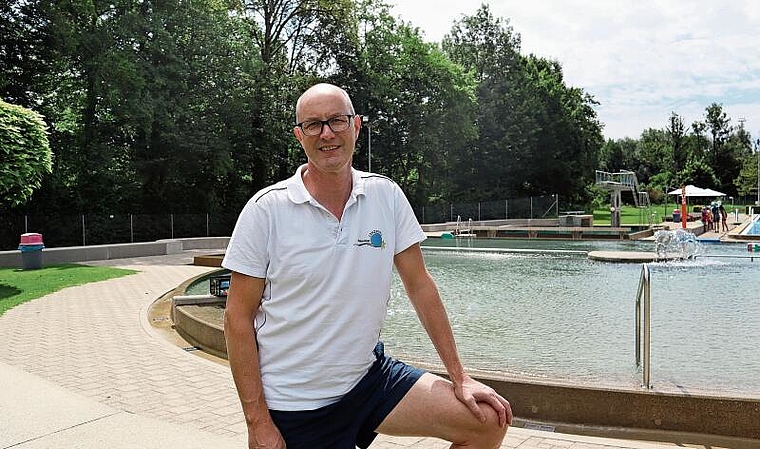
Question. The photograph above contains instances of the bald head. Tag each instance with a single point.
(323, 93)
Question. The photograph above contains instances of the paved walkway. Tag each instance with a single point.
(83, 368)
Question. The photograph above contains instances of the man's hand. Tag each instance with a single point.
(470, 392)
(265, 436)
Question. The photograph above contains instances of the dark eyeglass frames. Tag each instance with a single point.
(336, 124)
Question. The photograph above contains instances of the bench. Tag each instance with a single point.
(573, 212)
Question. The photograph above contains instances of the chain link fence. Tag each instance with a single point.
(100, 229)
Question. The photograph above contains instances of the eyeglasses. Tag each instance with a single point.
(336, 125)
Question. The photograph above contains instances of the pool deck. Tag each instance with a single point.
(85, 368)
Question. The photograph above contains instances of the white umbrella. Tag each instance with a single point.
(692, 190)
(711, 192)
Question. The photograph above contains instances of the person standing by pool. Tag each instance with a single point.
(705, 218)
(311, 260)
(716, 216)
(723, 217)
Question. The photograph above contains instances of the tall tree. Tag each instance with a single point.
(566, 151)
(488, 47)
(196, 65)
(717, 123)
(296, 41)
(748, 180)
(419, 102)
(536, 135)
(677, 132)
(722, 159)
(26, 65)
(618, 154)
(653, 154)
(298, 33)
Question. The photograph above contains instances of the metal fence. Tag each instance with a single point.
(99, 229)
(529, 207)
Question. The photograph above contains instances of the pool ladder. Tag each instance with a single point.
(643, 292)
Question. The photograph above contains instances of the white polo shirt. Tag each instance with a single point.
(327, 283)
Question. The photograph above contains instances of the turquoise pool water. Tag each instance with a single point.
(753, 228)
(567, 318)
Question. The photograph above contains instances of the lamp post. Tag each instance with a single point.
(365, 120)
(757, 151)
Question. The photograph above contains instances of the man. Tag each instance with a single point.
(311, 260)
(716, 216)
(723, 216)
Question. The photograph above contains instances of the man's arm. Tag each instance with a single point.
(243, 300)
(426, 300)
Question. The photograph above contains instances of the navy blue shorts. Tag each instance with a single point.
(352, 420)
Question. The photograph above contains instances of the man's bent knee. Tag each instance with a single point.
(485, 435)
(431, 409)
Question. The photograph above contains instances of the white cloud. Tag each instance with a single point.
(639, 59)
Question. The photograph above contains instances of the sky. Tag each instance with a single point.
(641, 60)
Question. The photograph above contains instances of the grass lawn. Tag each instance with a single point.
(629, 215)
(19, 286)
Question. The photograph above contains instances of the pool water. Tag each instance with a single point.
(568, 318)
(753, 228)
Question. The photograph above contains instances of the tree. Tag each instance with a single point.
(698, 172)
(189, 110)
(677, 132)
(725, 157)
(151, 108)
(26, 67)
(653, 154)
(746, 182)
(299, 34)
(488, 48)
(421, 104)
(717, 123)
(25, 155)
(298, 42)
(566, 151)
(698, 131)
(483, 44)
(536, 135)
(618, 154)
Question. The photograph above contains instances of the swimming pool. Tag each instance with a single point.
(753, 228)
(568, 318)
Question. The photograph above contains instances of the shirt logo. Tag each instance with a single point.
(375, 240)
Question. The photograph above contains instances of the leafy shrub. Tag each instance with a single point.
(25, 155)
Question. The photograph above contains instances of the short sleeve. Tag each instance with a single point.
(408, 229)
(247, 252)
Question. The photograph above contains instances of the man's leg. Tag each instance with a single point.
(431, 409)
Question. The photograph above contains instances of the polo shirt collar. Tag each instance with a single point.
(297, 190)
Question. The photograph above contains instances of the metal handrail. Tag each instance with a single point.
(643, 290)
